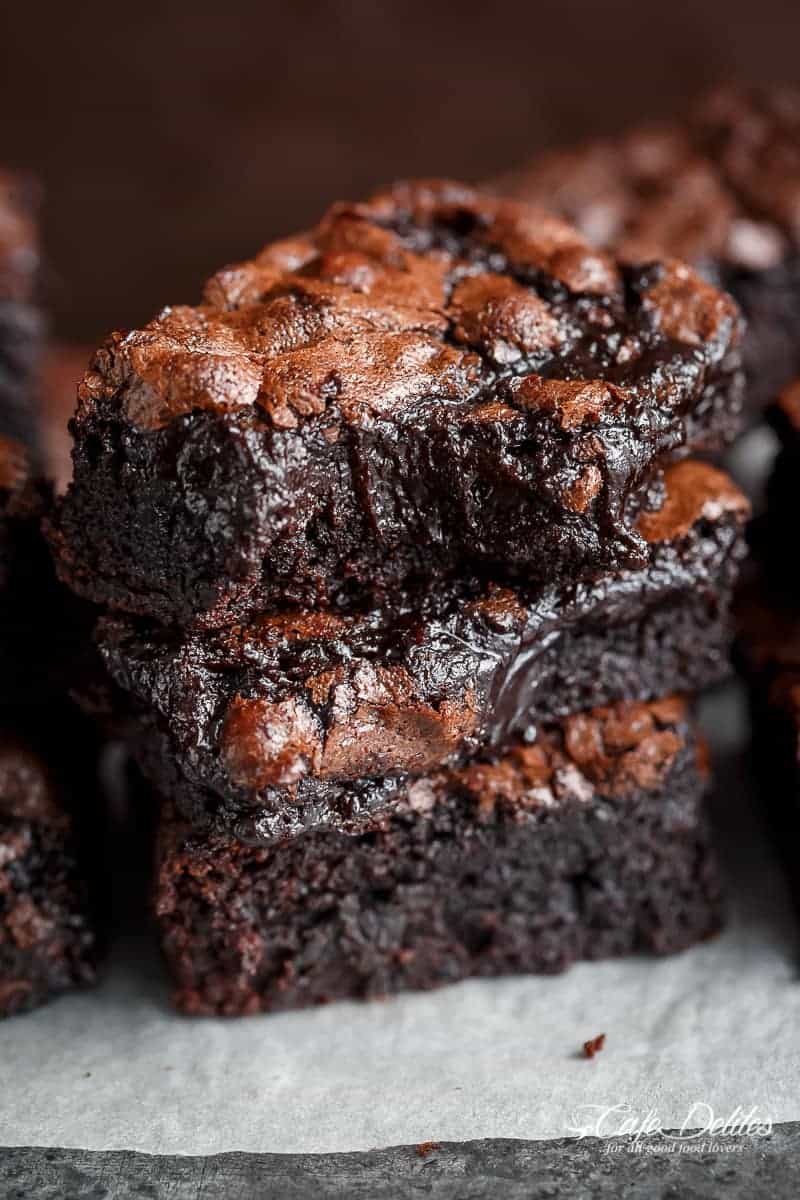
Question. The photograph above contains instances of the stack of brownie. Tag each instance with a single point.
(46, 936)
(410, 570)
(720, 189)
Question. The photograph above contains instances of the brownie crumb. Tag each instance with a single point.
(426, 1148)
(594, 1045)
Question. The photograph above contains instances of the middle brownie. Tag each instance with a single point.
(259, 727)
(427, 379)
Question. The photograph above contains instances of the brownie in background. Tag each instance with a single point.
(720, 189)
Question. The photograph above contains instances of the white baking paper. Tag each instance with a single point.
(710, 1034)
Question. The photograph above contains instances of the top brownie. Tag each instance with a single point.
(720, 189)
(427, 378)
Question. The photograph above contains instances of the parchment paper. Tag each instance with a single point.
(717, 1027)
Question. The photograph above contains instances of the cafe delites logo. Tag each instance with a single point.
(702, 1130)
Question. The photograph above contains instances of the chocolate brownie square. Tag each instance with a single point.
(47, 936)
(426, 379)
(588, 842)
(21, 325)
(254, 727)
(720, 189)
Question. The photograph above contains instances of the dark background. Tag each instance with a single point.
(174, 137)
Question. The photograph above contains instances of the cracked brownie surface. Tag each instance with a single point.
(426, 378)
(591, 841)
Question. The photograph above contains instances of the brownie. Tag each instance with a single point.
(254, 726)
(589, 842)
(45, 645)
(720, 189)
(21, 325)
(425, 379)
(47, 938)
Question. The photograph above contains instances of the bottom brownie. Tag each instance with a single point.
(589, 842)
(47, 942)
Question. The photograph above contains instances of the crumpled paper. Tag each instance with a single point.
(713, 1034)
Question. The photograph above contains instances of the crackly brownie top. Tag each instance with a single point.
(19, 250)
(427, 292)
(722, 185)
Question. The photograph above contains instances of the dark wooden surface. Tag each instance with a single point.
(481, 1170)
(173, 137)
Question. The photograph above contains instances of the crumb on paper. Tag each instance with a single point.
(425, 1148)
(594, 1045)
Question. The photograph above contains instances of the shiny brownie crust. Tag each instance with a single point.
(720, 189)
(589, 842)
(426, 378)
(254, 728)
